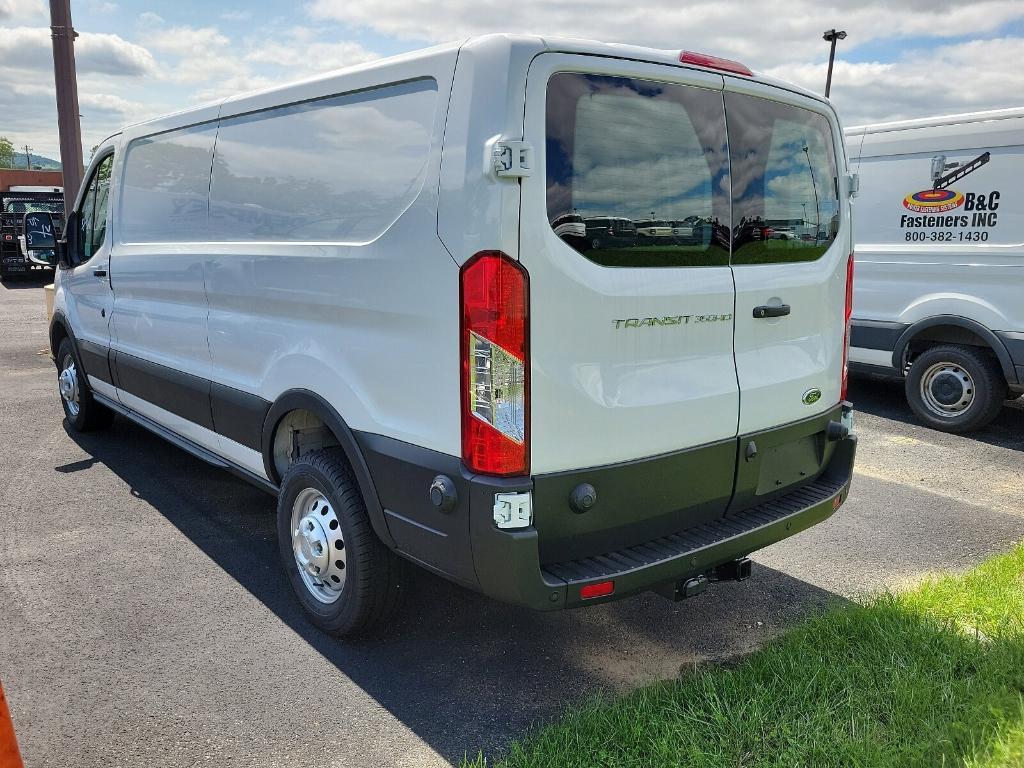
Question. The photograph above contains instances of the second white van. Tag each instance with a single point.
(940, 261)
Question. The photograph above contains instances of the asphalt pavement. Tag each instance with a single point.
(144, 619)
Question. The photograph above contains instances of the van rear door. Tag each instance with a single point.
(790, 254)
(631, 342)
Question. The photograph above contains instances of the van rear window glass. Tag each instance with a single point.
(343, 168)
(784, 181)
(637, 171)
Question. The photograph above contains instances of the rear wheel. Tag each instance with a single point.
(955, 388)
(595, 243)
(81, 410)
(346, 579)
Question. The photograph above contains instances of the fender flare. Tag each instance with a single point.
(990, 338)
(304, 399)
(59, 319)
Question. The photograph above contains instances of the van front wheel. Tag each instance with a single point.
(955, 388)
(81, 410)
(345, 578)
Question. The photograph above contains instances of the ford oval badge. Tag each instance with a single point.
(811, 396)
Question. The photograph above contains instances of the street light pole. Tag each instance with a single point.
(66, 81)
(831, 36)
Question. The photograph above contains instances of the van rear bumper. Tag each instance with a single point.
(508, 565)
(462, 542)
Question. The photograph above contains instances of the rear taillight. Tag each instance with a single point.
(847, 314)
(495, 365)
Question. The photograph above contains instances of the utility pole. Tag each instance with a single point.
(28, 157)
(66, 80)
(831, 36)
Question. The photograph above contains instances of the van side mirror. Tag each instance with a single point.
(41, 243)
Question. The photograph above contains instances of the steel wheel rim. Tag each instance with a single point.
(318, 546)
(67, 383)
(947, 389)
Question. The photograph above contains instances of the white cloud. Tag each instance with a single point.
(298, 53)
(959, 77)
(30, 48)
(762, 32)
(22, 10)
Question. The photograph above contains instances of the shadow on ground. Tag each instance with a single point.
(36, 279)
(460, 670)
(883, 396)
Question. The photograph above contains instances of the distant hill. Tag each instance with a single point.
(45, 163)
(38, 162)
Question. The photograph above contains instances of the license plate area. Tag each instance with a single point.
(778, 460)
(789, 463)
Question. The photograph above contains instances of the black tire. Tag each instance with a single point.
(373, 573)
(596, 243)
(91, 414)
(967, 365)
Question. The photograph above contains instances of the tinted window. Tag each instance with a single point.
(784, 181)
(621, 152)
(166, 185)
(339, 169)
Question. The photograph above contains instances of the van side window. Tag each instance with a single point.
(637, 171)
(341, 168)
(784, 181)
(166, 186)
(92, 215)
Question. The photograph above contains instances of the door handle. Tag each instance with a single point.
(100, 272)
(765, 311)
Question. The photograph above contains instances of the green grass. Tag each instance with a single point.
(933, 676)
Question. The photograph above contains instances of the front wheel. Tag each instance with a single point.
(955, 388)
(345, 578)
(81, 410)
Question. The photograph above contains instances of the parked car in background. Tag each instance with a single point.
(940, 261)
(782, 233)
(651, 231)
(258, 281)
(610, 232)
(15, 259)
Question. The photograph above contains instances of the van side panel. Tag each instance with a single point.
(918, 259)
(159, 334)
(326, 273)
(478, 211)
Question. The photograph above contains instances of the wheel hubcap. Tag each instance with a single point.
(947, 390)
(318, 546)
(67, 383)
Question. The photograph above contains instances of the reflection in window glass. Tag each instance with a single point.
(92, 215)
(166, 186)
(637, 171)
(784, 181)
(337, 169)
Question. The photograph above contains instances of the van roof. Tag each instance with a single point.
(501, 43)
(931, 122)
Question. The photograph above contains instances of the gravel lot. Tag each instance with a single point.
(144, 619)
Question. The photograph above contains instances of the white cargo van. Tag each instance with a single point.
(940, 261)
(351, 292)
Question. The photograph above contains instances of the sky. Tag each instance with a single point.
(137, 60)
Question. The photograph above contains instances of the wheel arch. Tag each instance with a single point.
(307, 400)
(990, 339)
(60, 329)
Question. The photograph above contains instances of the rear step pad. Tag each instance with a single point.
(699, 537)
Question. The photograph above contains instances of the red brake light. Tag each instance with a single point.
(600, 589)
(847, 314)
(495, 365)
(714, 62)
